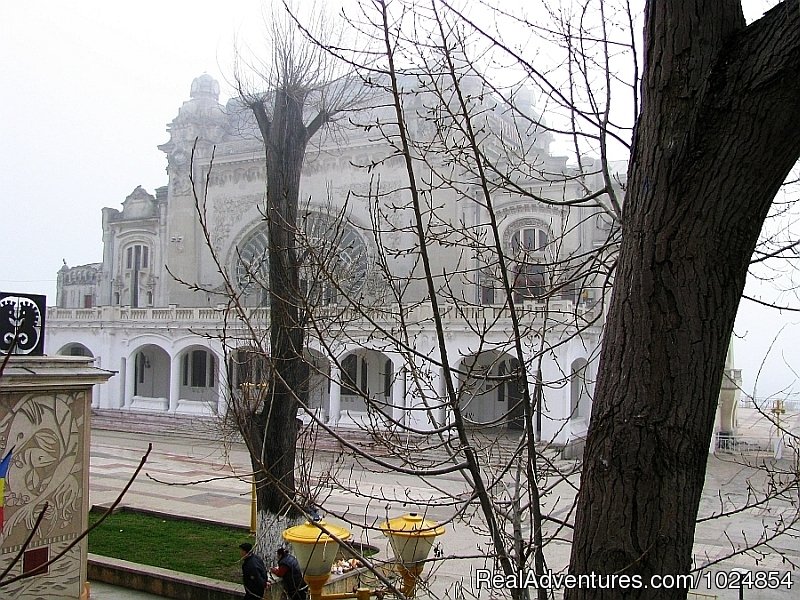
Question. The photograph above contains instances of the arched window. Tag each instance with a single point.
(334, 258)
(141, 362)
(527, 243)
(530, 239)
(136, 262)
(350, 374)
(198, 369)
(249, 367)
(355, 376)
(388, 377)
(528, 247)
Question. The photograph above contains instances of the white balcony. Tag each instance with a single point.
(210, 317)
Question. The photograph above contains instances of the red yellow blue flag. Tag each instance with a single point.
(3, 472)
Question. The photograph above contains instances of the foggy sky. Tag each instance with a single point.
(86, 91)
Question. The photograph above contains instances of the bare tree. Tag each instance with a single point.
(455, 133)
(718, 132)
(293, 93)
(638, 447)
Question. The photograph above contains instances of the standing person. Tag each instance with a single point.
(254, 573)
(289, 571)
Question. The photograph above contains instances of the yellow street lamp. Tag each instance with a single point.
(315, 550)
(411, 537)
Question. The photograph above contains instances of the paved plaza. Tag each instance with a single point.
(196, 475)
(103, 591)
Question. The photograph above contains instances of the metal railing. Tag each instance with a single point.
(767, 404)
(741, 444)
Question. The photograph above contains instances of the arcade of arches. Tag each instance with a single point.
(364, 386)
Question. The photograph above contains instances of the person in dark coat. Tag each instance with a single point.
(289, 571)
(254, 573)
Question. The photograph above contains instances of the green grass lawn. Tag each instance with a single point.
(187, 546)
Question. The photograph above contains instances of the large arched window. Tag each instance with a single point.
(527, 243)
(333, 257)
(136, 265)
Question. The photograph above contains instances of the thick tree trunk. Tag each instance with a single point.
(285, 139)
(718, 133)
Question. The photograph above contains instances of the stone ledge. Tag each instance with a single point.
(161, 582)
(183, 586)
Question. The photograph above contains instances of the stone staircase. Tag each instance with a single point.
(423, 451)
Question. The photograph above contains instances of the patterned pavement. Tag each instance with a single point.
(202, 477)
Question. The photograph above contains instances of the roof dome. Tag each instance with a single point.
(205, 86)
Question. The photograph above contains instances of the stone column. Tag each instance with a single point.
(129, 370)
(335, 395)
(398, 392)
(222, 385)
(555, 428)
(174, 382)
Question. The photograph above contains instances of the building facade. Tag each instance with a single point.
(158, 309)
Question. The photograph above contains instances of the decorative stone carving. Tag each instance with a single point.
(228, 212)
(525, 223)
(43, 425)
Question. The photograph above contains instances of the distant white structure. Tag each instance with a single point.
(131, 314)
(725, 422)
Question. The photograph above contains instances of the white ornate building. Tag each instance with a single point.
(133, 314)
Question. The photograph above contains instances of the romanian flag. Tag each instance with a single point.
(3, 472)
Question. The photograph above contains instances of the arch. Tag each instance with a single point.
(367, 376)
(75, 349)
(150, 378)
(198, 379)
(490, 390)
(333, 247)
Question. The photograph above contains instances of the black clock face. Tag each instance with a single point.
(22, 324)
(334, 258)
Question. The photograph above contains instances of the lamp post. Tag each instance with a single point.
(315, 550)
(778, 410)
(411, 537)
(315, 547)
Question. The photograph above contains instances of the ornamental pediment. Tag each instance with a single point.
(139, 205)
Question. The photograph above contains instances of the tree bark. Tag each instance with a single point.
(718, 133)
(285, 140)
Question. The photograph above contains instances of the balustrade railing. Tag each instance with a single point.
(558, 310)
